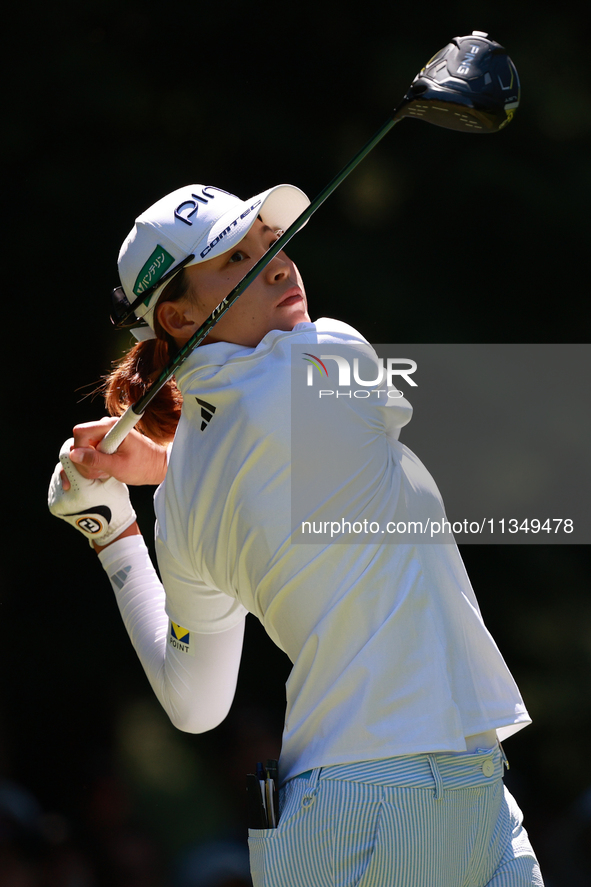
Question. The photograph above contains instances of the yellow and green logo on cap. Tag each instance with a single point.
(153, 269)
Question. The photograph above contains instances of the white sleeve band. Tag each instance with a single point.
(194, 677)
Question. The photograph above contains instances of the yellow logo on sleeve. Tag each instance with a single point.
(180, 638)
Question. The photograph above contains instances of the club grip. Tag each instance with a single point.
(113, 439)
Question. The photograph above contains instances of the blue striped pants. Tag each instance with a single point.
(437, 820)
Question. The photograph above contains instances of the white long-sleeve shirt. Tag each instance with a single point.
(390, 654)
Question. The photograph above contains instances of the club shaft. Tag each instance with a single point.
(134, 413)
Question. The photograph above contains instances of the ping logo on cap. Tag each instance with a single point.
(152, 270)
(189, 207)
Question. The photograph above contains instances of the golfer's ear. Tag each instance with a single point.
(176, 319)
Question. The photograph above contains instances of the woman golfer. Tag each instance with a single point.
(391, 769)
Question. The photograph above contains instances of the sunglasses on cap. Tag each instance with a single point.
(123, 312)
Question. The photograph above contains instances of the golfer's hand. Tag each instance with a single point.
(138, 460)
(100, 510)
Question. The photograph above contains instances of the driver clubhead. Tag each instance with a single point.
(470, 85)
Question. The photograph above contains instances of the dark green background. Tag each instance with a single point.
(437, 237)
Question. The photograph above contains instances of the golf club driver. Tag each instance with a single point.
(471, 85)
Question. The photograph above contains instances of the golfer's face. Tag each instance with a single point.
(275, 300)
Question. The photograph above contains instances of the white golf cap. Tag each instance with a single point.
(200, 221)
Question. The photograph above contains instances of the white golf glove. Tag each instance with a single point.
(101, 510)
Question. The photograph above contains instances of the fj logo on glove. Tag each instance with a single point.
(92, 524)
(89, 525)
(207, 411)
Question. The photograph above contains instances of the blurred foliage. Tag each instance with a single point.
(437, 237)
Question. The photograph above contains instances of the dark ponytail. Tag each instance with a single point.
(135, 371)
